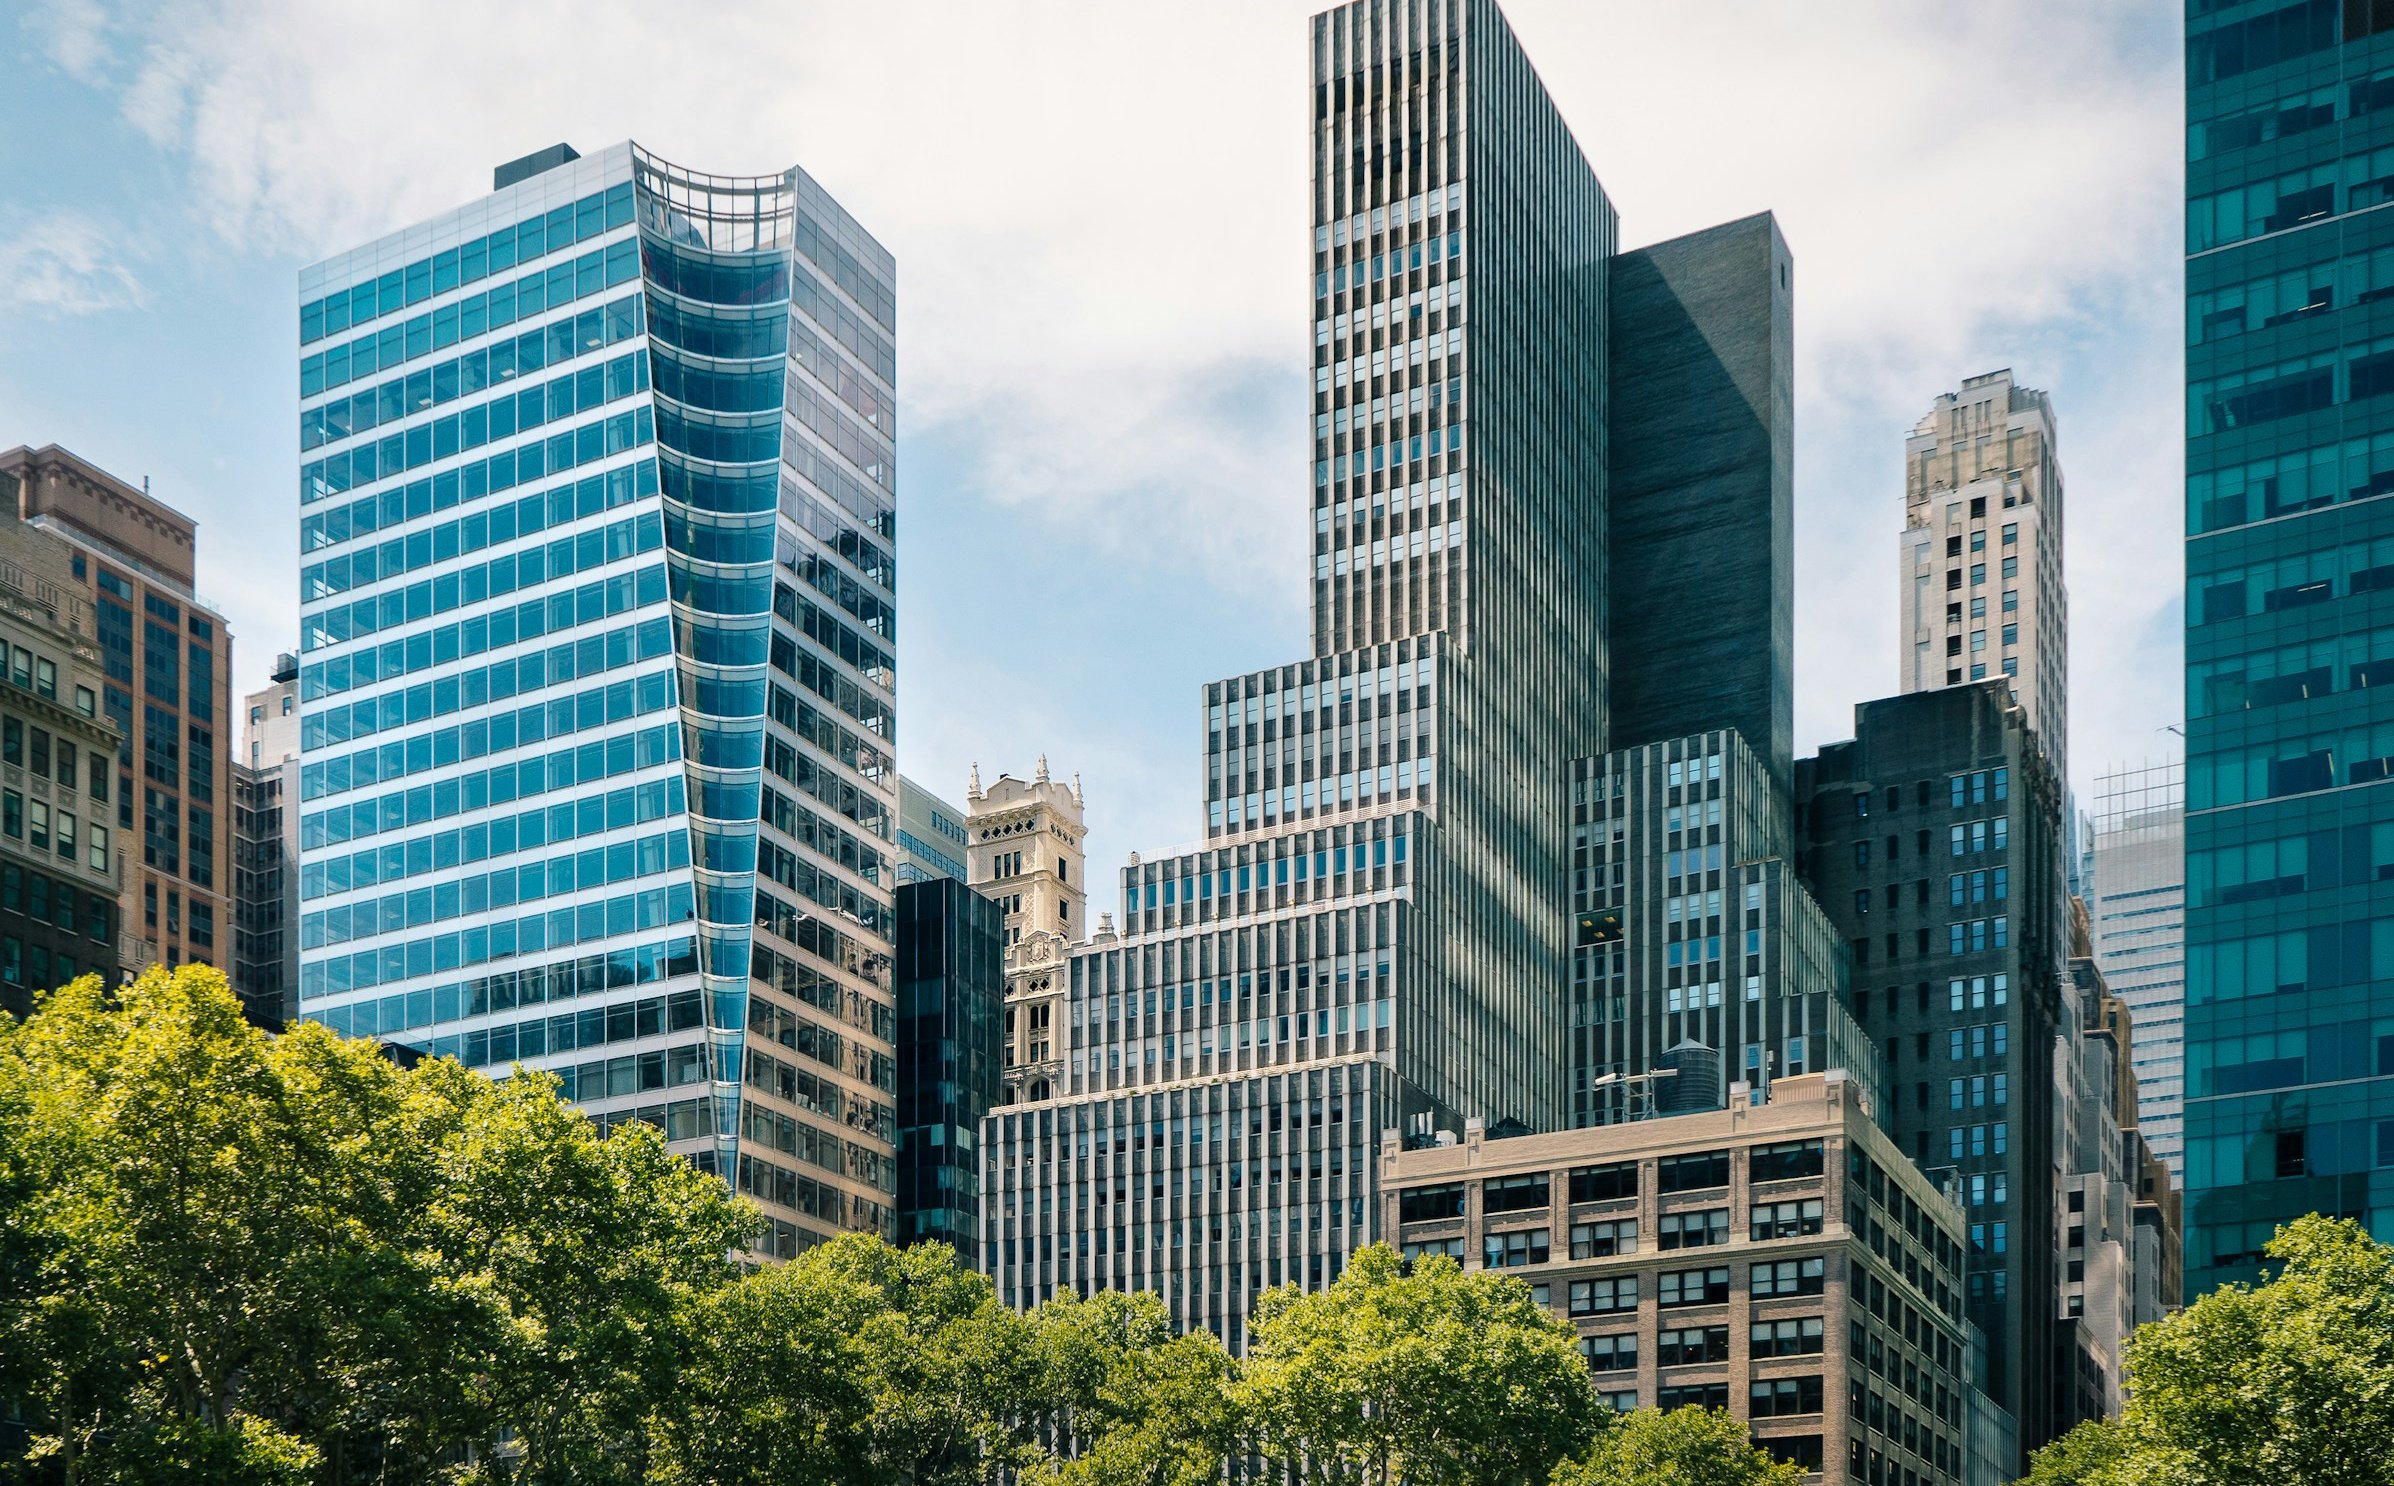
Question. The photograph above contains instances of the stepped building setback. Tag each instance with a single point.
(1378, 930)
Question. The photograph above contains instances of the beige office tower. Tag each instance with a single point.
(1025, 853)
(1982, 551)
(166, 685)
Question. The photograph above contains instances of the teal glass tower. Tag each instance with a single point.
(597, 684)
(2289, 1030)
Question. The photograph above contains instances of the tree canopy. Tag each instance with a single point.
(1685, 1447)
(244, 1260)
(2287, 1380)
(287, 1258)
(1417, 1373)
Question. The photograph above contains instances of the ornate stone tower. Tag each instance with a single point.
(1025, 853)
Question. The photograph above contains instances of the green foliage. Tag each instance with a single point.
(1419, 1373)
(2258, 1385)
(779, 1395)
(245, 1452)
(2090, 1455)
(1685, 1447)
(1144, 1407)
(249, 1261)
(287, 1258)
(947, 1366)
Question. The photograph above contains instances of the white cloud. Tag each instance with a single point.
(1093, 288)
(1964, 188)
(1098, 213)
(65, 263)
(74, 34)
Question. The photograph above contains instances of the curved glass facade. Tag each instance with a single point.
(715, 270)
(600, 689)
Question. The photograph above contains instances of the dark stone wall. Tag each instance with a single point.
(1875, 817)
(1702, 498)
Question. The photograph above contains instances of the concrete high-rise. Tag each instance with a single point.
(2289, 562)
(265, 966)
(1981, 572)
(2139, 928)
(1933, 840)
(1699, 960)
(1780, 1258)
(597, 659)
(1699, 951)
(931, 835)
(167, 667)
(1375, 928)
(2096, 1163)
(1700, 464)
(61, 862)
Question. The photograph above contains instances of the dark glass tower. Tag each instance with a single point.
(2289, 598)
(951, 984)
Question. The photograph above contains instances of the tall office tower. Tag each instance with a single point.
(1698, 951)
(1933, 840)
(167, 660)
(1024, 852)
(596, 669)
(1981, 571)
(1376, 925)
(951, 990)
(1700, 459)
(61, 871)
(2139, 914)
(931, 835)
(2289, 555)
(265, 968)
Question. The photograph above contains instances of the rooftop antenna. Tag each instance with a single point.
(1633, 1085)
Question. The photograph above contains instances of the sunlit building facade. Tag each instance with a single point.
(2138, 912)
(597, 667)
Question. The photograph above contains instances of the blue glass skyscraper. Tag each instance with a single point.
(598, 602)
(2289, 600)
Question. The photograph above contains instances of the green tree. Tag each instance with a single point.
(1125, 1402)
(1416, 1373)
(2259, 1385)
(2089, 1455)
(781, 1393)
(950, 1371)
(195, 1224)
(1685, 1447)
(286, 1258)
(593, 1248)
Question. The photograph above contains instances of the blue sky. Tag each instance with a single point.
(1098, 215)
